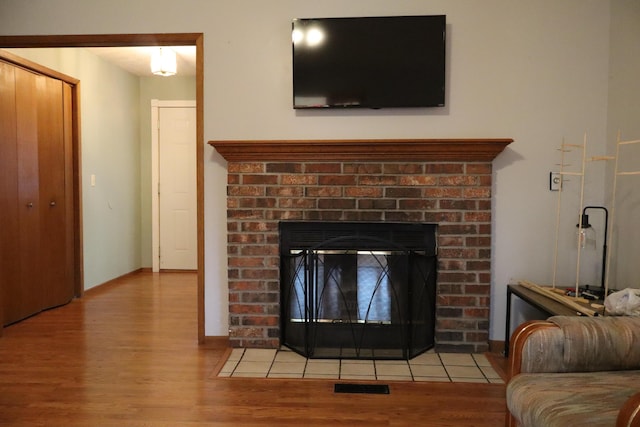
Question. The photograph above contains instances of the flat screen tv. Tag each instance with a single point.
(369, 62)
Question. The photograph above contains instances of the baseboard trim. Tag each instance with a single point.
(106, 285)
(496, 346)
(215, 342)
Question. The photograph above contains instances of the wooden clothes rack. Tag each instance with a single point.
(617, 174)
(551, 292)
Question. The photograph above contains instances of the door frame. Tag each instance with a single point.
(156, 105)
(121, 40)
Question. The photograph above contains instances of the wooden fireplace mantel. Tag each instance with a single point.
(362, 149)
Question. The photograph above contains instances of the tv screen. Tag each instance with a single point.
(369, 62)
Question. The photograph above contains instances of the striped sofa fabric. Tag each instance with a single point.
(575, 371)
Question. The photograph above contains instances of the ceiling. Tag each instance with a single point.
(136, 60)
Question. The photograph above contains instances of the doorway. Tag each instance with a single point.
(173, 183)
(132, 40)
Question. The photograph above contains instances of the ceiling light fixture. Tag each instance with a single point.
(163, 62)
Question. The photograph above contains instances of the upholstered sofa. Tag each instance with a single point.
(575, 371)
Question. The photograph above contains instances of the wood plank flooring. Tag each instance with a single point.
(126, 354)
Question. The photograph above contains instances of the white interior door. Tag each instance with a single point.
(177, 195)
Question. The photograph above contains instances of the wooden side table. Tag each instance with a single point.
(541, 302)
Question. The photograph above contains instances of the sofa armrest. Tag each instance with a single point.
(629, 415)
(536, 346)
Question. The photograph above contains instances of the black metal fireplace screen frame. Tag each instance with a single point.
(358, 290)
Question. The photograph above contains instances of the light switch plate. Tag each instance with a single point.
(555, 181)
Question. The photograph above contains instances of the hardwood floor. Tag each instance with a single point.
(126, 354)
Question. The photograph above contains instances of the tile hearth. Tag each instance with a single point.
(430, 366)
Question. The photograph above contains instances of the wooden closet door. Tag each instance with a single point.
(22, 295)
(55, 279)
(9, 269)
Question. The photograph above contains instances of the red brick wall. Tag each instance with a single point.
(455, 195)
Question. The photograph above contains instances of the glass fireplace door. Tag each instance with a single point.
(342, 299)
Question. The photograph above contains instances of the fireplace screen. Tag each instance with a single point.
(358, 290)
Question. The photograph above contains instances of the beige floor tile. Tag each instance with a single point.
(259, 354)
(393, 370)
(229, 366)
(431, 379)
(321, 376)
(283, 375)
(323, 367)
(394, 377)
(236, 354)
(481, 360)
(426, 359)
(458, 359)
(428, 371)
(253, 367)
(329, 361)
(468, 380)
(357, 368)
(289, 356)
(496, 380)
(357, 377)
(249, 375)
(464, 372)
(489, 372)
(288, 368)
(390, 362)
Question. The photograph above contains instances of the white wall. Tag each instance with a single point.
(111, 152)
(624, 117)
(535, 71)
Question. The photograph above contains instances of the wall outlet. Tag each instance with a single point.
(555, 181)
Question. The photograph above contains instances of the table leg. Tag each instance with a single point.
(507, 322)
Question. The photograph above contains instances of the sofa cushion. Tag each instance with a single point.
(570, 399)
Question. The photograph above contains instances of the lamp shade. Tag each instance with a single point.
(163, 62)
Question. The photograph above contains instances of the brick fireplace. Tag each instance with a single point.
(443, 181)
